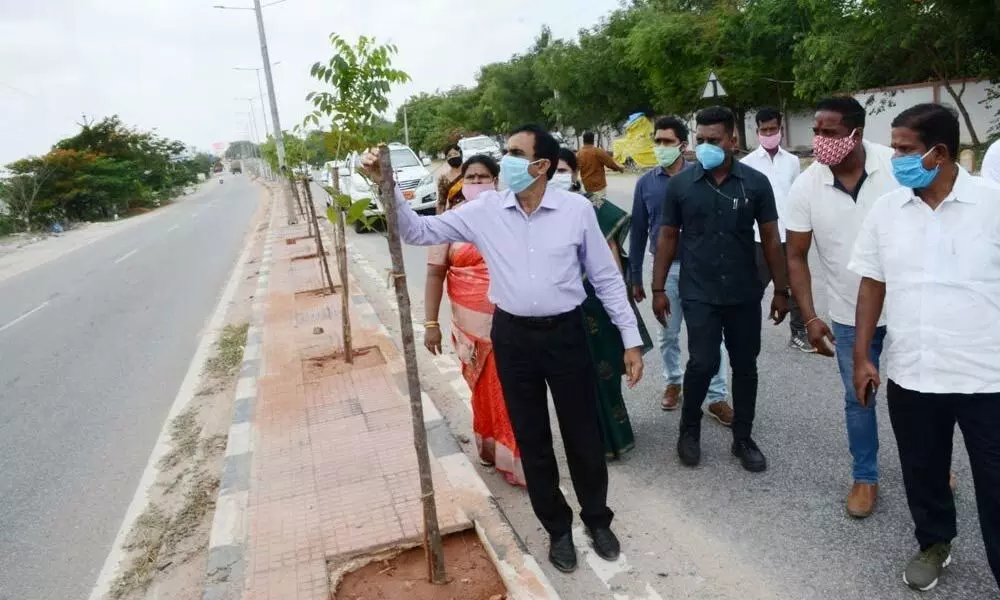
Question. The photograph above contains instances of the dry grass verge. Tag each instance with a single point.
(174, 527)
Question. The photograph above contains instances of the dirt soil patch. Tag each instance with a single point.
(471, 575)
(333, 364)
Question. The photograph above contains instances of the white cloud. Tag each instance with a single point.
(168, 64)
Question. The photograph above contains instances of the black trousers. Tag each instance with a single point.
(706, 324)
(924, 425)
(531, 353)
(795, 321)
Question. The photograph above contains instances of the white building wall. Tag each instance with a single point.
(885, 107)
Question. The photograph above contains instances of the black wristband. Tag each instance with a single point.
(659, 291)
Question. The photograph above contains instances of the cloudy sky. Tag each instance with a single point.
(168, 64)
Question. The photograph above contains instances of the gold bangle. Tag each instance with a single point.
(811, 321)
(431, 325)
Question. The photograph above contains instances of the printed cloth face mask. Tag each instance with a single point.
(832, 151)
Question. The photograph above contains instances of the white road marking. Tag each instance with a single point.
(194, 215)
(25, 316)
(173, 228)
(126, 256)
(606, 571)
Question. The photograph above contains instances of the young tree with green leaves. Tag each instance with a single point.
(360, 77)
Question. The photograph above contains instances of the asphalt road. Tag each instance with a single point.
(718, 532)
(93, 348)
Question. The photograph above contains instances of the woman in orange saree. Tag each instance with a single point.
(468, 282)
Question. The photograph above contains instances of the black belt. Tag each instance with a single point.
(539, 322)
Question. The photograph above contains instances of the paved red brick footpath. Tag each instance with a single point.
(333, 472)
(320, 469)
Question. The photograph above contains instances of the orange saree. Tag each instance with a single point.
(472, 316)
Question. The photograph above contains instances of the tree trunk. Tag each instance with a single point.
(957, 97)
(320, 250)
(305, 213)
(432, 534)
(741, 126)
(340, 245)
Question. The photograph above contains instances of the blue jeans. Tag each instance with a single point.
(862, 423)
(670, 347)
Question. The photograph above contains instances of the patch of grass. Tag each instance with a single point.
(184, 433)
(228, 351)
(198, 501)
(145, 543)
(156, 537)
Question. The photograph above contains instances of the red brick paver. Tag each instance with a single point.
(334, 471)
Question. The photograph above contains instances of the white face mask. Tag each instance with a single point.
(562, 181)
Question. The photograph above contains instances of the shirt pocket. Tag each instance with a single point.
(561, 263)
(697, 214)
(975, 258)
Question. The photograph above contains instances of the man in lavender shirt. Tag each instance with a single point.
(538, 242)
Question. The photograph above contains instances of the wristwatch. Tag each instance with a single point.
(785, 293)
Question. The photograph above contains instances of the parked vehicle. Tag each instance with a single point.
(479, 144)
(426, 194)
(409, 172)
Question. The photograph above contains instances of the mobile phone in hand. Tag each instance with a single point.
(870, 393)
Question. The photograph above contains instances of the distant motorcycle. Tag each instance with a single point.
(220, 180)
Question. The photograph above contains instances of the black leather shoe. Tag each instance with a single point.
(689, 447)
(750, 455)
(605, 543)
(562, 553)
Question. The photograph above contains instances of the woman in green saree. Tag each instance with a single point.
(603, 338)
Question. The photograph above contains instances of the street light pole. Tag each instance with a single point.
(406, 127)
(278, 141)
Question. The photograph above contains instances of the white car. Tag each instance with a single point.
(480, 144)
(426, 194)
(408, 170)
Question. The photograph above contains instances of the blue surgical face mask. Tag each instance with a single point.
(710, 156)
(910, 172)
(514, 173)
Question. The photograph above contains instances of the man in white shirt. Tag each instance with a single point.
(930, 251)
(781, 168)
(827, 205)
(991, 163)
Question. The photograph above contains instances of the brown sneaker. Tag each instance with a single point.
(721, 412)
(671, 397)
(861, 501)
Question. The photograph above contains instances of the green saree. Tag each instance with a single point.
(605, 342)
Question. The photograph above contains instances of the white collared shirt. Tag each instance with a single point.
(941, 270)
(815, 205)
(781, 171)
(991, 162)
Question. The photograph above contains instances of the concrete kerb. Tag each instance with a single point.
(226, 568)
(518, 569)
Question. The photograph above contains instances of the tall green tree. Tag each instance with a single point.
(593, 83)
(863, 44)
(511, 92)
(677, 43)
